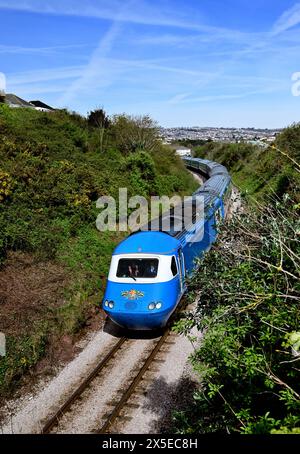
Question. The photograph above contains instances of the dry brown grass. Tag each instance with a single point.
(29, 289)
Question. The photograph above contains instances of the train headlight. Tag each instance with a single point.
(106, 303)
(158, 305)
(151, 306)
(111, 304)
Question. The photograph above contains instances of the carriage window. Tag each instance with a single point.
(137, 268)
(174, 266)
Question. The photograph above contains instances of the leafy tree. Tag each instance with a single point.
(133, 133)
(142, 173)
(98, 119)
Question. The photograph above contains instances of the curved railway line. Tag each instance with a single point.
(124, 393)
(111, 408)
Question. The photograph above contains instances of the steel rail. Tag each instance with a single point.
(132, 387)
(54, 420)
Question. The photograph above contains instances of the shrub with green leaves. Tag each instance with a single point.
(258, 171)
(52, 173)
(53, 168)
(249, 312)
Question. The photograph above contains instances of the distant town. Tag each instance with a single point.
(261, 137)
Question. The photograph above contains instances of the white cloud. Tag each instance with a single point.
(44, 75)
(99, 73)
(136, 71)
(178, 98)
(142, 12)
(206, 36)
(115, 66)
(30, 91)
(95, 71)
(146, 12)
(290, 18)
(4, 49)
(2, 82)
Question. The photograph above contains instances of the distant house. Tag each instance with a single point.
(39, 105)
(183, 151)
(14, 101)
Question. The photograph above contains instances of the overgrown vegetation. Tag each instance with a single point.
(53, 168)
(260, 171)
(249, 310)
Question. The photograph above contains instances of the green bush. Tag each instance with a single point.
(260, 171)
(23, 353)
(249, 293)
(249, 314)
(51, 174)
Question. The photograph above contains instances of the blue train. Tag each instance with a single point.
(148, 271)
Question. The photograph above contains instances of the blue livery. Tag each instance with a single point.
(148, 271)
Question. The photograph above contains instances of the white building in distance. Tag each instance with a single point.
(183, 151)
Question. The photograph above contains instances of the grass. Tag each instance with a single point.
(258, 172)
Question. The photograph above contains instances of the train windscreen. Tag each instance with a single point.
(137, 268)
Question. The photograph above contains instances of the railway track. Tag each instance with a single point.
(133, 385)
(54, 420)
(110, 418)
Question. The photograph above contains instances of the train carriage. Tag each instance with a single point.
(148, 271)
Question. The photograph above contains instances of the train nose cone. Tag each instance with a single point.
(130, 305)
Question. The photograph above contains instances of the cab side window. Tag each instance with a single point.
(174, 266)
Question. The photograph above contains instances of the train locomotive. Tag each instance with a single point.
(148, 271)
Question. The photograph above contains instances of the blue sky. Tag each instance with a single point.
(192, 62)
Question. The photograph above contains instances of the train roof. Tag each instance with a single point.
(210, 168)
(215, 185)
(176, 221)
(148, 243)
(164, 238)
(210, 192)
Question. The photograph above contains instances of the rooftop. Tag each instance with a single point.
(12, 99)
(147, 243)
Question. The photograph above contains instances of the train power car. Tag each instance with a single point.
(148, 270)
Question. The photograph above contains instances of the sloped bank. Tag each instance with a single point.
(249, 301)
(52, 171)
